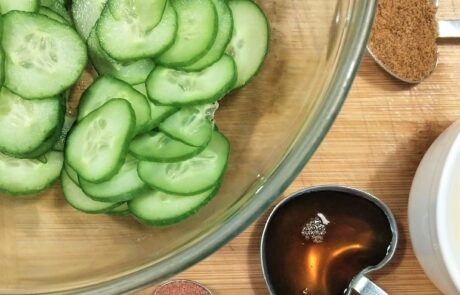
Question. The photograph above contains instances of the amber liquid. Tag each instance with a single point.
(357, 236)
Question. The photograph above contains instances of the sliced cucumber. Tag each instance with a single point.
(131, 72)
(80, 201)
(158, 147)
(191, 176)
(18, 5)
(45, 147)
(124, 186)
(49, 3)
(172, 87)
(124, 39)
(50, 54)
(121, 210)
(158, 113)
(2, 66)
(147, 12)
(141, 88)
(106, 88)
(52, 14)
(59, 7)
(71, 173)
(191, 125)
(249, 43)
(224, 34)
(97, 145)
(48, 143)
(26, 124)
(159, 208)
(67, 125)
(85, 15)
(196, 32)
(29, 176)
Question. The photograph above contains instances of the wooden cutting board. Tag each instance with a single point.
(376, 144)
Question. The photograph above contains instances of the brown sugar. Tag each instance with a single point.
(404, 36)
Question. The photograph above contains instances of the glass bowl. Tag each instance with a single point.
(274, 125)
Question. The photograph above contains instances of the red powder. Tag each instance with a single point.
(182, 287)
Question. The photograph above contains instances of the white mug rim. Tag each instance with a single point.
(442, 203)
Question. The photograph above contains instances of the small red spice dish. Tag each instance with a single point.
(182, 287)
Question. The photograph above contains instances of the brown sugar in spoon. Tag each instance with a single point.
(403, 39)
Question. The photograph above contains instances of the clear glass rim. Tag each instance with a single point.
(276, 183)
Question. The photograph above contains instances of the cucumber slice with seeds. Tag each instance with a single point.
(224, 34)
(29, 176)
(191, 176)
(249, 43)
(124, 186)
(124, 39)
(80, 201)
(85, 15)
(19, 5)
(106, 88)
(196, 32)
(50, 54)
(159, 208)
(158, 147)
(147, 12)
(172, 87)
(134, 72)
(97, 145)
(26, 124)
(191, 125)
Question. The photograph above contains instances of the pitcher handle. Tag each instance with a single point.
(364, 286)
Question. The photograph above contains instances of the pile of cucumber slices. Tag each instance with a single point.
(41, 57)
(144, 141)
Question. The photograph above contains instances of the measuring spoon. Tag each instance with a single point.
(355, 235)
(446, 29)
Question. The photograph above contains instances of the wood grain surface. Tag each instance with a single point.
(375, 144)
